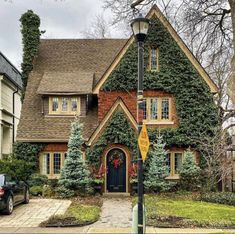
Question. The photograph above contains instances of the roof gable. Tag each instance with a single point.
(156, 14)
(119, 104)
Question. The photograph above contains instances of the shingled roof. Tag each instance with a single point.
(72, 63)
(66, 83)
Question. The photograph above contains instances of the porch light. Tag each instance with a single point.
(140, 26)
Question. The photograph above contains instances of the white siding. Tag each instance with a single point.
(17, 111)
(7, 102)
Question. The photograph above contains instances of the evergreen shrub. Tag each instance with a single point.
(189, 173)
(75, 177)
(158, 170)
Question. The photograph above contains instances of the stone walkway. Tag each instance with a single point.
(116, 212)
(32, 214)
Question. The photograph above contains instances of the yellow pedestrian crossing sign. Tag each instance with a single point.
(143, 142)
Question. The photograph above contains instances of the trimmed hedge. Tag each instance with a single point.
(226, 198)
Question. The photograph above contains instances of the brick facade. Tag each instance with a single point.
(107, 99)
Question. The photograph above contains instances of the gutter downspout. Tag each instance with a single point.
(13, 99)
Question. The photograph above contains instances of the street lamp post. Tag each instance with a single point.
(140, 27)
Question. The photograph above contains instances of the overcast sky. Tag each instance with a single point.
(60, 19)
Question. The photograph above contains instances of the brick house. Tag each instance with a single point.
(96, 80)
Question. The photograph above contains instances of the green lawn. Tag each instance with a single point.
(81, 212)
(163, 210)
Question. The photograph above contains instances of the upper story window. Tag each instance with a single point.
(157, 109)
(154, 59)
(64, 105)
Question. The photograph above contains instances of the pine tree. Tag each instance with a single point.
(75, 176)
(158, 169)
(189, 173)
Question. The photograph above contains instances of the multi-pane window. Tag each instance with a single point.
(178, 162)
(153, 108)
(74, 104)
(51, 163)
(157, 109)
(165, 108)
(57, 163)
(64, 105)
(174, 161)
(46, 164)
(154, 59)
(55, 104)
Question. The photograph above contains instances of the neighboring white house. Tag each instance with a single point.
(10, 104)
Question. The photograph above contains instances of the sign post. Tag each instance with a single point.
(143, 142)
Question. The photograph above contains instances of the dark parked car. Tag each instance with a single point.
(12, 192)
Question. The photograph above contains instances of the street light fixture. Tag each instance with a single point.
(140, 27)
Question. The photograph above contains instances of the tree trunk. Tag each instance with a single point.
(231, 83)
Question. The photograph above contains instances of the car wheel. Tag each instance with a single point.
(10, 206)
(26, 197)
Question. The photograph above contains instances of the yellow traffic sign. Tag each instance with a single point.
(143, 142)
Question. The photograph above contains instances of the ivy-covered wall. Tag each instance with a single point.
(196, 110)
(118, 130)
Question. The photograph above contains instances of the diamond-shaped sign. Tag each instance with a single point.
(143, 142)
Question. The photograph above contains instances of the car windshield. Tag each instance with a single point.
(1, 180)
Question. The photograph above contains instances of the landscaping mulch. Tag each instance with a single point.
(64, 222)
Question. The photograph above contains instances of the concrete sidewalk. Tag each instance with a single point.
(100, 230)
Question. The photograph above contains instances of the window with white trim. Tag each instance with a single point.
(64, 105)
(157, 109)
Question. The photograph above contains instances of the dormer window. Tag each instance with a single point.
(154, 59)
(64, 105)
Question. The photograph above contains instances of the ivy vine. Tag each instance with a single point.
(118, 129)
(28, 152)
(30, 23)
(196, 110)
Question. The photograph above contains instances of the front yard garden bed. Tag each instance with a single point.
(183, 211)
(82, 211)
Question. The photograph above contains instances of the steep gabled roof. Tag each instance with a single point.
(156, 12)
(118, 105)
(63, 61)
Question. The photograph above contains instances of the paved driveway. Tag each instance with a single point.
(32, 214)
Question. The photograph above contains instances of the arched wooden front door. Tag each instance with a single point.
(116, 170)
